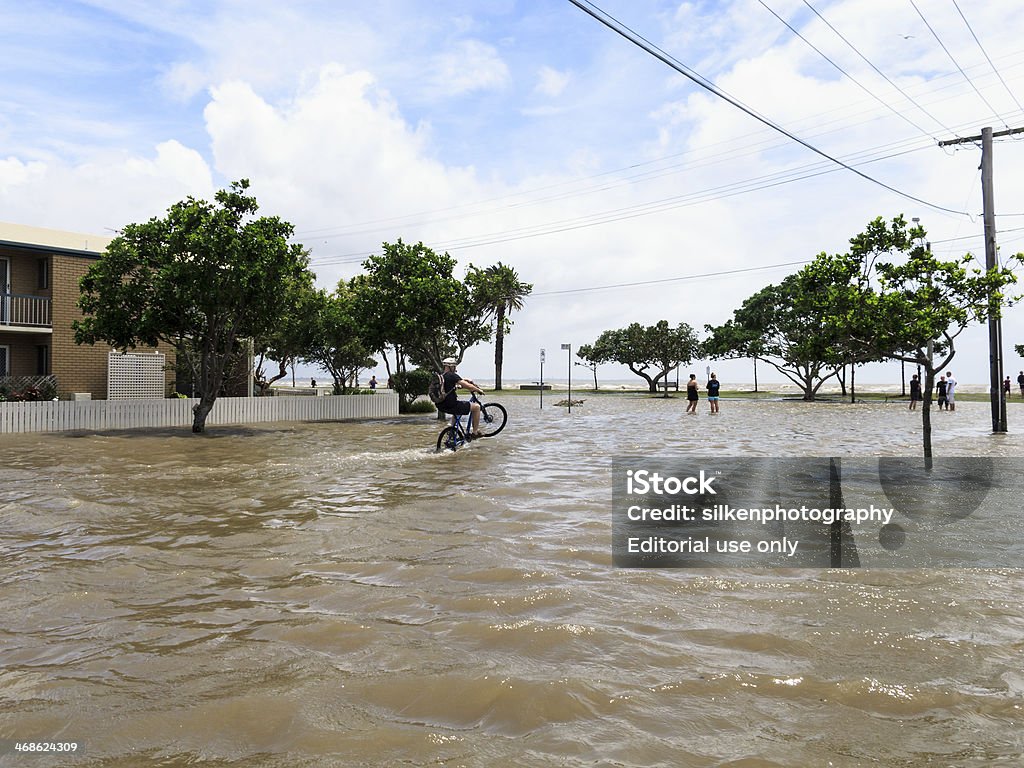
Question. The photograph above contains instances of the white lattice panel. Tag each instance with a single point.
(133, 375)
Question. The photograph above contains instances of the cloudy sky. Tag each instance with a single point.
(529, 133)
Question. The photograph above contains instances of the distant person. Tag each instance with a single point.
(1007, 386)
(312, 383)
(950, 391)
(692, 395)
(940, 388)
(713, 386)
(915, 392)
(391, 383)
(1020, 381)
(373, 382)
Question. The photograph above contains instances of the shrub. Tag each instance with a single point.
(27, 388)
(409, 386)
(420, 406)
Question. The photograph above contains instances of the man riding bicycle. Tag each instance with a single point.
(451, 404)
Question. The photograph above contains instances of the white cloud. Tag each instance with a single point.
(184, 80)
(470, 65)
(356, 144)
(551, 82)
(105, 192)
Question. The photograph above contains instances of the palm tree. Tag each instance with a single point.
(499, 290)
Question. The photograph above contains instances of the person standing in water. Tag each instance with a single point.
(713, 386)
(915, 392)
(691, 394)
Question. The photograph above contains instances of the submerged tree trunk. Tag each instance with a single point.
(853, 388)
(216, 355)
(926, 415)
(201, 411)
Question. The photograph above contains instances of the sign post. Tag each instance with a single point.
(568, 348)
(542, 379)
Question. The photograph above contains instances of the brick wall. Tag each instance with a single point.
(81, 368)
(77, 368)
(22, 351)
(24, 272)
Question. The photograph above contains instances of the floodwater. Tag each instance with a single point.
(338, 595)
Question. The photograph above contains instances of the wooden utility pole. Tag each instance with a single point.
(995, 331)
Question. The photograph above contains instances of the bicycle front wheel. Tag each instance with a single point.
(492, 419)
(448, 440)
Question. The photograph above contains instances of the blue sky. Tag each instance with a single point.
(527, 133)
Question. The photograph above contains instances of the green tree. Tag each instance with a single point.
(291, 338)
(499, 290)
(651, 352)
(335, 331)
(411, 306)
(206, 274)
(410, 385)
(922, 304)
(791, 326)
(594, 355)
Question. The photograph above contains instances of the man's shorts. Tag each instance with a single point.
(461, 408)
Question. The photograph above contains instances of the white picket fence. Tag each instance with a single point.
(96, 415)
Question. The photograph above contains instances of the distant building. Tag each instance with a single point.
(39, 274)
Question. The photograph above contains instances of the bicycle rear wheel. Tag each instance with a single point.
(492, 419)
(449, 440)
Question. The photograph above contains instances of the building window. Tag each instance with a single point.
(5, 357)
(43, 360)
(44, 274)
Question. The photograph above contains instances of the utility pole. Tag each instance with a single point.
(995, 330)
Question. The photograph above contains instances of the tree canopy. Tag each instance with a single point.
(499, 291)
(205, 275)
(791, 326)
(651, 352)
(921, 304)
(336, 336)
(410, 304)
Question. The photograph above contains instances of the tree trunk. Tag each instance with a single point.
(926, 415)
(842, 381)
(808, 383)
(755, 374)
(201, 411)
(499, 350)
(853, 388)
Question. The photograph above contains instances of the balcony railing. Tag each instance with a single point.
(19, 309)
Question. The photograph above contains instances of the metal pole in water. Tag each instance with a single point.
(568, 347)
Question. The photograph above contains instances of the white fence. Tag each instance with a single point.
(94, 415)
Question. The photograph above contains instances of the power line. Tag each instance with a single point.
(987, 57)
(722, 273)
(636, 211)
(366, 227)
(854, 80)
(880, 72)
(616, 26)
(955, 63)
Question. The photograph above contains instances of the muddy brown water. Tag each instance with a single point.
(337, 594)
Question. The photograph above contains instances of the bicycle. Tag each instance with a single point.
(492, 420)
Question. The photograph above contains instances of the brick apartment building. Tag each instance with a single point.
(39, 274)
